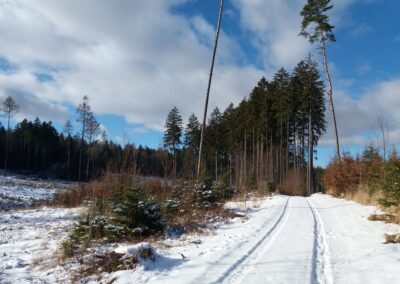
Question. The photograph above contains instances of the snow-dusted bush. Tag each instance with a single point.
(140, 214)
(223, 189)
(100, 227)
(171, 207)
(205, 193)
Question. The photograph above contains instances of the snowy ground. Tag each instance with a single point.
(29, 242)
(281, 240)
(285, 240)
(21, 192)
(30, 238)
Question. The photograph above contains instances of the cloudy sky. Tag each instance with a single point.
(137, 59)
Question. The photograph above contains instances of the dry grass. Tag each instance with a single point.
(387, 218)
(294, 184)
(395, 211)
(392, 239)
(362, 195)
(37, 260)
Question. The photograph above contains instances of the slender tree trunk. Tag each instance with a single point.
(310, 156)
(281, 155)
(216, 165)
(209, 87)
(287, 149)
(330, 92)
(253, 158)
(69, 158)
(245, 164)
(7, 140)
(81, 147)
(245, 156)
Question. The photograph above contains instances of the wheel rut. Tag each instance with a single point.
(321, 266)
(249, 246)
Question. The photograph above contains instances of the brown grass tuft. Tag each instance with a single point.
(392, 239)
(387, 218)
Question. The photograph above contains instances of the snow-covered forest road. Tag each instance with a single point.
(285, 240)
(293, 240)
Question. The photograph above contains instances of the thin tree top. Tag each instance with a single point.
(315, 25)
(83, 110)
(10, 107)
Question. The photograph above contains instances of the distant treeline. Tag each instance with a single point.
(37, 148)
(267, 138)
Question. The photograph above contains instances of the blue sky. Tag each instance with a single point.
(135, 60)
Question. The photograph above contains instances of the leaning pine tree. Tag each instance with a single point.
(316, 28)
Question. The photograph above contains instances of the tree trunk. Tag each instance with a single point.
(209, 87)
(7, 141)
(330, 91)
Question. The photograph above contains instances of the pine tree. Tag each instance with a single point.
(316, 28)
(173, 134)
(10, 108)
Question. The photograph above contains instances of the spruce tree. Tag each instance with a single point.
(191, 143)
(173, 134)
(192, 135)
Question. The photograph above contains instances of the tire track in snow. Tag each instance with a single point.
(321, 266)
(235, 270)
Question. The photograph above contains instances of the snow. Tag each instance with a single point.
(278, 239)
(31, 238)
(319, 239)
(21, 192)
(356, 244)
(133, 249)
(29, 241)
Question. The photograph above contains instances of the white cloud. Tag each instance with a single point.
(360, 30)
(273, 27)
(357, 118)
(132, 58)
